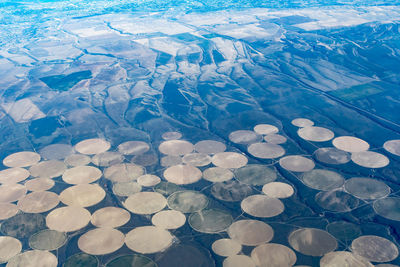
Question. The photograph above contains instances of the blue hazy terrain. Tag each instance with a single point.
(134, 70)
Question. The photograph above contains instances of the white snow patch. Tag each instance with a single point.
(23, 110)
